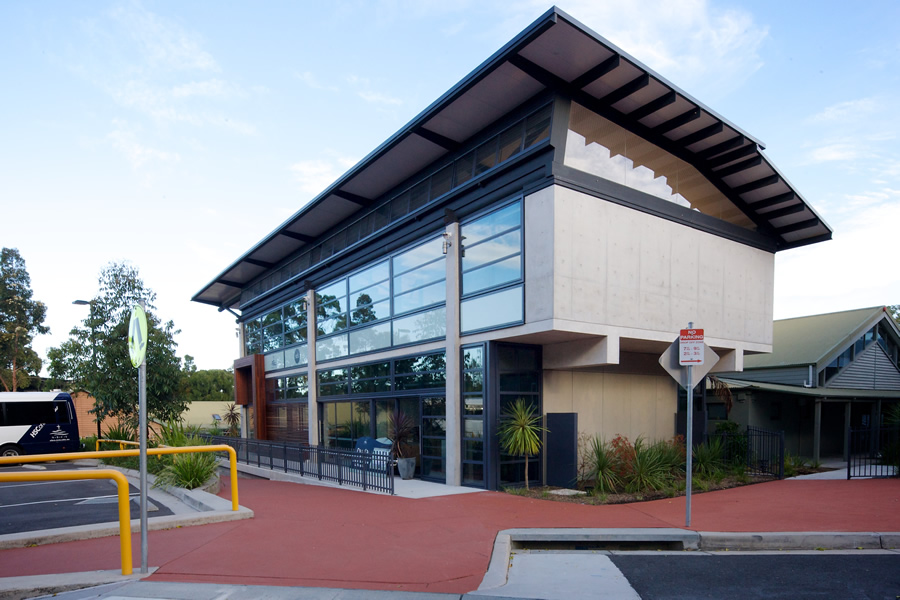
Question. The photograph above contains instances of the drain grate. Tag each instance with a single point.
(598, 544)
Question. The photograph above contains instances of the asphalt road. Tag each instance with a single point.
(35, 506)
(748, 576)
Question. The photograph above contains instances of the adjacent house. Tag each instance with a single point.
(541, 231)
(826, 374)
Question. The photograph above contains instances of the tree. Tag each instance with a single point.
(209, 385)
(21, 318)
(95, 357)
(520, 431)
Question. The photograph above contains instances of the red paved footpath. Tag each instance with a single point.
(306, 535)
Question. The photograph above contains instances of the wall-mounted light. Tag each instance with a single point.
(448, 241)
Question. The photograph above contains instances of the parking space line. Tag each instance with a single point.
(62, 500)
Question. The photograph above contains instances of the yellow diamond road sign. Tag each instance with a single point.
(137, 336)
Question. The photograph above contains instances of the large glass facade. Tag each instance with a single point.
(598, 146)
(357, 401)
(527, 133)
(492, 271)
(519, 377)
(394, 302)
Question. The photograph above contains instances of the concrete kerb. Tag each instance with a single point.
(508, 540)
(15, 588)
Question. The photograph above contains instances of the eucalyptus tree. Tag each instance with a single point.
(21, 318)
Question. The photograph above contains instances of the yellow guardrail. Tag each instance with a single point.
(232, 459)
(121, 484)
(121, 443)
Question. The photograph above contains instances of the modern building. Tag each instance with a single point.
(541, 231)
(826, 374)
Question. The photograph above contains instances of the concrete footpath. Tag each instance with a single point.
(330, 541)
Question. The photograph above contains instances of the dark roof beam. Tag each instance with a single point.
(595, 73)
(797, 226)
(755, 185)
(652, 106)
(780, 198)
(362, 201)
(783, 212)
(438, 139)
(723, 147)
(638, 83)
(741, 166)
(697, 136)
(297, 236)
(229, 283)
(732, 156)
(258, 263)
(676, 122)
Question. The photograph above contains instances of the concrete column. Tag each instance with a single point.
(313, 412)
(817, 432)
(846, 429)
(453, 459)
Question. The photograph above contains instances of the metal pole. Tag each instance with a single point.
(689, 442)
(142, 401)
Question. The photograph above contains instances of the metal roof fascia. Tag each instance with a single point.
(794, 189)
(802, 391)
(545, 21)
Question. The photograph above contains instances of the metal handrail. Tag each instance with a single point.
(124, 499)
(232, 455)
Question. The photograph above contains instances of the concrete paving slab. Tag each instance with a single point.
(789, 540)
(54, 584)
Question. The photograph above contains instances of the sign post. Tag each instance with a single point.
(137, 350)
(694, 360)
(690, 353)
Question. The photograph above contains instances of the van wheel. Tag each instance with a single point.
(11, 450)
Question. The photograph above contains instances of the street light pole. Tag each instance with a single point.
(90, 304)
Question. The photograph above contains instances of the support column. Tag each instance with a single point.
(846, 429)
(453, 459)
(817, 432)
(313, 406)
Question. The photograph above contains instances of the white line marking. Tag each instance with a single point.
(62, 500)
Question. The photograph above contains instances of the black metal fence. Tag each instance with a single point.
(874, 452)
(357, 468)
(760, 451)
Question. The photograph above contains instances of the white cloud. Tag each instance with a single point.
(313, 176)
(162, 43)
(849, 110)
(125, 141)
(311, 81)
(836, 152)
(364, 91)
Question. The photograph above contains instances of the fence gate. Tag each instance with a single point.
(874, 452)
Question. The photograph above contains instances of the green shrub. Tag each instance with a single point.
(189, 470)
(793, 465)
(708, 458)
(602, 467)
(648, 468)
(89, 443)
(672, 453)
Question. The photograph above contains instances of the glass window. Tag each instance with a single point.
(332, 325)
(334, 292)
(370, 338)
(464, 167)
(368, 313)
(537, 127)
(474, 405)
(486, 156)
(473, 358)
(296, 336)
(369, 277)
(274, 361)
(474, 428)
(510, 142)
(371, 294)
(333, 347)
(420, 298)
(417, 256)
(499, 221)
(422, 326)
(295, 357)
(492, 275)
(493, 310)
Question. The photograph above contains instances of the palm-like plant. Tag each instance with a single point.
(520, 431)
(232, 419)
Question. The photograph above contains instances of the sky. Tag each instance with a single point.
(175, 135)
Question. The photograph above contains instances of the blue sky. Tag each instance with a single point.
(175, 135)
